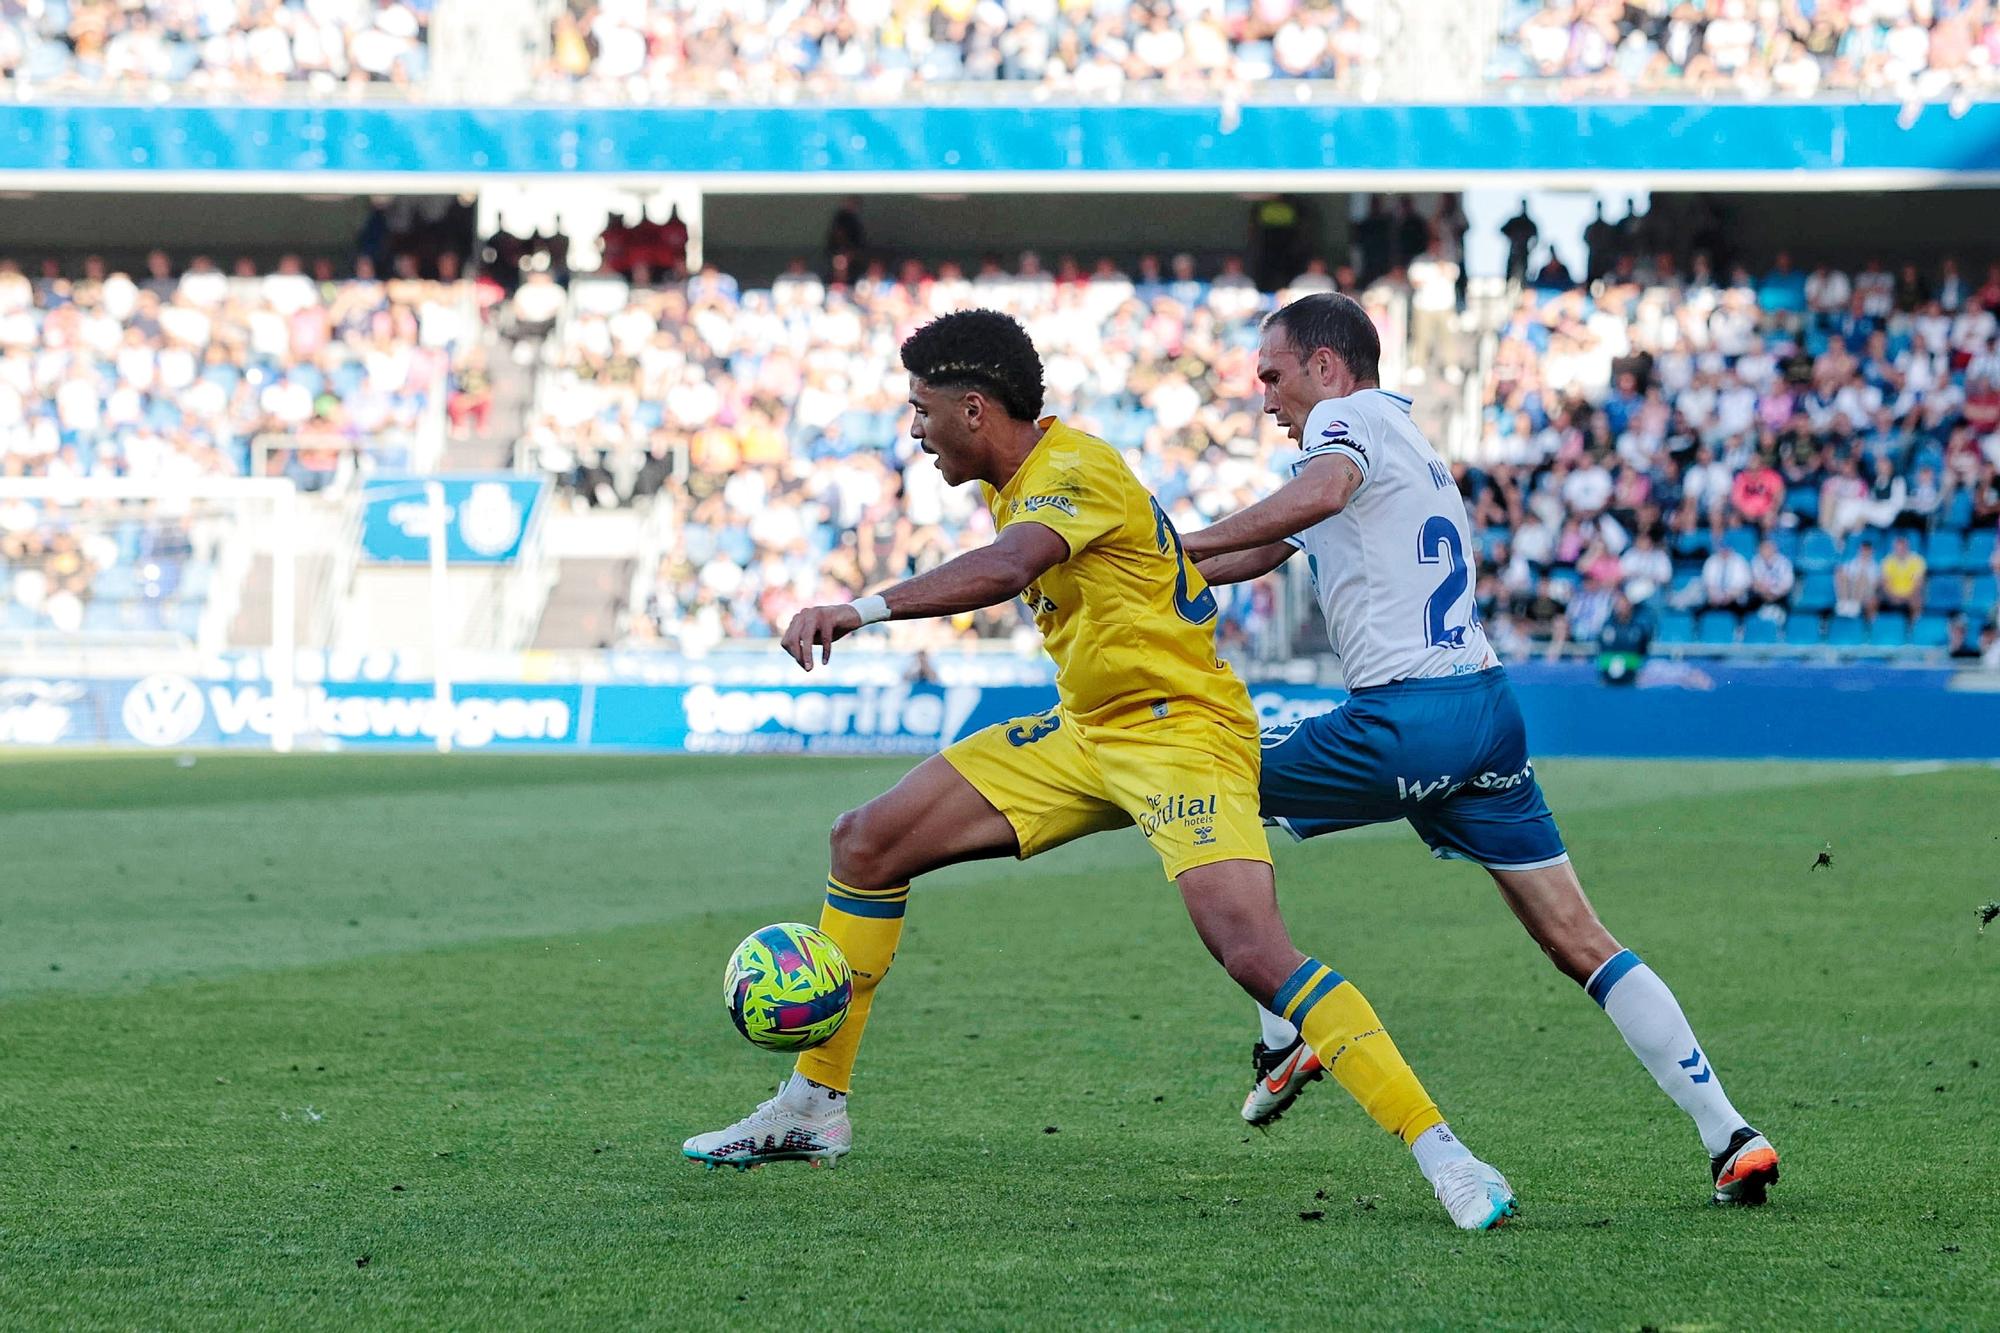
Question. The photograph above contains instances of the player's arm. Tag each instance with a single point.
(1321, 489)
(1000, 572)
(1242, 566)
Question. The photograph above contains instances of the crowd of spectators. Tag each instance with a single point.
(1790, 457)
(774, 421)
(678, 50)
(178, 372)
(883, 49)
(214, 47)
(1724, 456)
(1915, 49)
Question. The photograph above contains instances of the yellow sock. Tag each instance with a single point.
(866, 924)
(1338, 1022)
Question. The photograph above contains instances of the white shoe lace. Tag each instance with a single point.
(1467, 1189)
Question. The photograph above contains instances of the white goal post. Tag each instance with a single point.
(66, 500)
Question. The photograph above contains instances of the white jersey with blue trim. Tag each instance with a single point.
(1394, 570)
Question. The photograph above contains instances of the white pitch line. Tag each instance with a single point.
(1918, 769)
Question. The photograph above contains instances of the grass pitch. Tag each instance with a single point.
(407, 1042)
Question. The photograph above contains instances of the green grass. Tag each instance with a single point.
(242, 1003)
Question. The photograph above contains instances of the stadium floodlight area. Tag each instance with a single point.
(113, 578)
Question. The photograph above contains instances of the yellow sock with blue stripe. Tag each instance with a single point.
(1337, 1021)
(866, 924)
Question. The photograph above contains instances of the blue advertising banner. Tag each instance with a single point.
(1585, 139)
(487, 517)
(1747, 714)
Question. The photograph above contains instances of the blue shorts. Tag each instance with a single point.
(1450, 755)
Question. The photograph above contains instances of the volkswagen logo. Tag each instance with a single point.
(163, 710)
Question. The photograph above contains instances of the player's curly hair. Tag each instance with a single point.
(1337, 323)
(979, 349)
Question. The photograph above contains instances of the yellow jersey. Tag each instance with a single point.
(1902, 574)
(1127, 618)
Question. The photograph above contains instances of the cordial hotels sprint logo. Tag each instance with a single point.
(163, 710)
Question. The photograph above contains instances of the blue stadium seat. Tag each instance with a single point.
(1675, 627)
(1718, 629)
(1742, 540)
(1787, 542)
(1945, 593)
(1846, 632)
(1888, 631)
(1959, 513)
(1802, 630)
(1761, 630)
(1946, 552)
(1815, 593)
(117, 583)
(1694, 545)
(1817, 552)
(1929, 632)
(1979, 550)
(1983, 593)
(1802, 502)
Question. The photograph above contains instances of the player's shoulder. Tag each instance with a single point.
(1079, 456)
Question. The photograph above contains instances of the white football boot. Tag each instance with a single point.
(1745, 1170)
(1477, 1197)
(1277, 1077)
(775, 1132)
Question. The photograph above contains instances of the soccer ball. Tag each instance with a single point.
(787, 987)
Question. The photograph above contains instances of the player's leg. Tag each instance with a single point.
(1311, 782)
(1234, 906)
(1194, 798)
(1500, 820)
(1550, 902)
(1017, 788)
(932, 818)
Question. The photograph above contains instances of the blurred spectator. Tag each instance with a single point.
(1903, 572)
(1858, 583)
(1623, 642)
(1725, 580)
(1771, 577)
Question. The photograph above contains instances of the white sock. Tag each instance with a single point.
(1278, 1034)
(1651, 1021)
(804, 1097)
(1437, 1148)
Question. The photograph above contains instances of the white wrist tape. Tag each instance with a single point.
(871, 609)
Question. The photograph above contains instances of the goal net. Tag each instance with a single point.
(149, 613)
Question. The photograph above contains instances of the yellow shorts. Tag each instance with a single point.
(1191, 789)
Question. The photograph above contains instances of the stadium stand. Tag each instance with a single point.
(1909, 48)
(193, 372)
(1695, 444)
(315, 47)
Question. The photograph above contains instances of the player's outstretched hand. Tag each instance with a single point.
(818, 627)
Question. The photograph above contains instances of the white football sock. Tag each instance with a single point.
(1436, 1148)
(1651, 1021)
(1278, 1034)
(802, 1096)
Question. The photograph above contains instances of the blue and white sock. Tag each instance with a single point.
(1278, 1034)
(1651, 1021)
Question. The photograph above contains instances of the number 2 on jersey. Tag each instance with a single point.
(1439, 542)
(1200, 608)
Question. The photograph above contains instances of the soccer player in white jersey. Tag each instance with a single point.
(1431, 731)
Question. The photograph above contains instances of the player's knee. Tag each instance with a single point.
(861, 849)
(1257, 967)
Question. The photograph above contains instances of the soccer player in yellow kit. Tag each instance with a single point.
(1151, 729)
